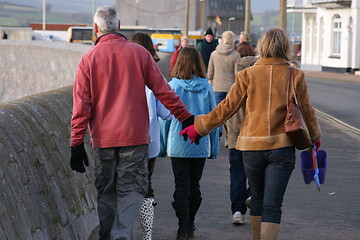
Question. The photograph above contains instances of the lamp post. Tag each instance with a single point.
(187, 18)
(202, 17)
(282, 14)
(137, 13)
(43, 17)
(247, 16)
(230, 19)
(93, 31)
(94, 6)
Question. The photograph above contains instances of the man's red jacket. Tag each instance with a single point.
(109, 94)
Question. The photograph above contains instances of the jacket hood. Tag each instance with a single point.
(196, 84)
(224, 49)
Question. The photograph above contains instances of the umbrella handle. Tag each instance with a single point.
(314, 157)
(315, 167)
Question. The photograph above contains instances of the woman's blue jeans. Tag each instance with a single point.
(268, 174)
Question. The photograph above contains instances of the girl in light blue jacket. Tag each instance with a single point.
(188, 160)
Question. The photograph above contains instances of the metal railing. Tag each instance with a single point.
(329, 1)
(299, 4)
(322, 3)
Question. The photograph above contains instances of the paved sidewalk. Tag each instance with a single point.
(331, 214)
(332, 76)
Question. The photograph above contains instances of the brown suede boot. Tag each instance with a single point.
(255, 223)
(269, 231)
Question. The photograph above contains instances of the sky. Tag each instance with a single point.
(257, 6)
(260, 6)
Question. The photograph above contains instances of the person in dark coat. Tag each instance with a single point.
(207, 46)
(5, 36)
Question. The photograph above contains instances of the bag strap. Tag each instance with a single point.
(291, 87)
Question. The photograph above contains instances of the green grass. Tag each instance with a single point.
(270, 19)
(265, 19)
(16, 8)
(17, 18)
(9, 21)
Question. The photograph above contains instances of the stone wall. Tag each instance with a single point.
(40, 196)
(30, 67)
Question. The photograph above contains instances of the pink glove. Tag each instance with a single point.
(192, 134)
(317, 145)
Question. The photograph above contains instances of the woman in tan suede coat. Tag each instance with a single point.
(268, 154)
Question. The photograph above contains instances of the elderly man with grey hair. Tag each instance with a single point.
(244, 48)
(109, 99)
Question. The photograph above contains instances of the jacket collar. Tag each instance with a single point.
(107, 36)
(271, 61)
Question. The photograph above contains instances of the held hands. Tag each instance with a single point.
(186, 123)
(192, 134)
(78, 158)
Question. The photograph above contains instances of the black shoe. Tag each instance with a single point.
(191, 233)
(181, 237)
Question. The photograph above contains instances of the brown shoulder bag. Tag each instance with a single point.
(295, 126)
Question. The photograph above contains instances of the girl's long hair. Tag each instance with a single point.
(144, 40)
(189, 63)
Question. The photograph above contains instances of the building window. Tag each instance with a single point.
(336, 35)
(238, 7)
(213, 3)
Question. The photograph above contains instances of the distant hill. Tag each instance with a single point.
(22, 12)
(70, 6)
(16, 7)
(13, 14)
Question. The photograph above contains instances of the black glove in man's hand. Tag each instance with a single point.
(197, 140)
(186, 123)
(78, 158)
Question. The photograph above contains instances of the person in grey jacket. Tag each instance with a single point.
(188, 160)
(221, 71)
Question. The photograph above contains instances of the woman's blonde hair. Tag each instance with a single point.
(274, 43)
(188, 64)
(228, 38)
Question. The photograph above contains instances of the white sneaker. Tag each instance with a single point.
(238, 218)
(248, 202)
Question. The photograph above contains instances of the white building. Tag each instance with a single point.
(330, 36)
